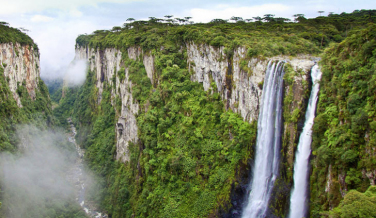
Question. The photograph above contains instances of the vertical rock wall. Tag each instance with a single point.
(106, 63)
(237, 78)
(21, 67)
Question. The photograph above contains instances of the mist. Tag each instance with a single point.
(34, 182)
(76, 73)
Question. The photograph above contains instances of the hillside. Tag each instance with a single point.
(344, 131)
(171, 118)
(24, 96)
(168, 112)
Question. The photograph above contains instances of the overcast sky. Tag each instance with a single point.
(54, 25)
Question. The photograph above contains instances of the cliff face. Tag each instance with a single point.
(21, 67)
(106, 63)
(238, 79)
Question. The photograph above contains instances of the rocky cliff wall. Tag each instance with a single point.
(21, 67)
(106, 63)
(239, 80)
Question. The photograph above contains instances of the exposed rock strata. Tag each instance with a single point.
(210, 64)
(105, 63)
(21, 67)
(240, 88)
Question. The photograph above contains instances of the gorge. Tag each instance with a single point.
(208, 120)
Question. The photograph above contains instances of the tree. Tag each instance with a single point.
(236, 19)
(320, 12)
(116, 29)
(24, 30)
(268, 17)
(169, 20)
(4, 23)
(180, 20)
(281, 19)
(297, 16)
(130, 20)
(248, 20)
(257, 18)
(218, 21)
(154, 20)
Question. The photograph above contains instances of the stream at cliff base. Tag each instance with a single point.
(77, 176)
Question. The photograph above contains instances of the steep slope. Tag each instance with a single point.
(23, 95)
(344, 130)
(169, 114)
(34, 155)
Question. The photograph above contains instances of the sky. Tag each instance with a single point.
(54, 25)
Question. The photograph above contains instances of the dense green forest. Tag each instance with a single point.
(36, 111)
(266, 36)
(344, 131)
(192, 153)
(15, 35)
(185, 163)
(188, 160)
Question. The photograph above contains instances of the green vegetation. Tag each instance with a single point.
(55, 88)
(356, 204)
(14, 35)
(37, 111)
(344, 134)
(271, 38)
(190, 148)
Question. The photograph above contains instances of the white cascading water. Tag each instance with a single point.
(268, 143)
(298, 200)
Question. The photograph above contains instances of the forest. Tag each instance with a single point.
(194, 152)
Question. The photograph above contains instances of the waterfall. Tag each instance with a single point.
(268, 142)
(298, 201)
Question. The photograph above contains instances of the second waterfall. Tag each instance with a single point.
(265, 170)
(299, 195)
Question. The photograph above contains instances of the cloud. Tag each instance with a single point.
(34, 181)
(76, 73)
(56, 40)
(41, 18)
(226, 12)
(27, 6)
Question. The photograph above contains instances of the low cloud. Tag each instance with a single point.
(27, 6)
(76, 73)
(34, 181)
(41, 18)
